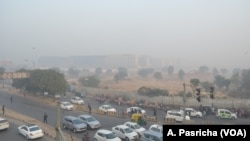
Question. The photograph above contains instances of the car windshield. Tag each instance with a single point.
(110, 136)
(77, 121)
(109, 107)
(34, 129)
(67, 104)
(137, 126)
(128, 130)
(91, 119)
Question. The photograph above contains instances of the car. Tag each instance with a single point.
(125, 133)
(156, 128)
(66, 105)
(177, 115)
(30, 131)
(107, 108)
(105, 135)
(136, 127)
(73, 123)
(150, 135)
(225, 114)
(131, 110)
(193, 113)
(77, 100)
(4, 124)
(91, 122)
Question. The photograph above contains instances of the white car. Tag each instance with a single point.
(125, 133)
(105, 135)
(107, 108)
(76, 100)
(193, 113)
(156, 128)
(4, 124)
(66, 105)
(136, 127)
(136, 110)
(30, 131)
(177, 115)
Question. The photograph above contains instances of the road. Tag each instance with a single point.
(11, 134)
(36, 110)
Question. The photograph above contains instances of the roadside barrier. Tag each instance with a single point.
(204, 122)
(99, 112)
(188, 122)
(111, 114)
(169, 120)
(153, 118)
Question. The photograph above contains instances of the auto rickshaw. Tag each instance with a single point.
(138, 118)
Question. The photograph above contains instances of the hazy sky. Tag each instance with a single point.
(209, 32)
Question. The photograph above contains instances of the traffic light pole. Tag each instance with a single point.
(184, 102)
(59, 133)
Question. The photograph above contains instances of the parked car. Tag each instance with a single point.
(225, 114)
(73, 123)
(193, 113)
(107, 108)
(91, 122)
(150, 135)
(105, 135)
(135, 110)
(136, 127)
(66, 105)
(30, 131)
(76, 100)
(4, 124)
(177, 115)
(125, 133)
(156, 128)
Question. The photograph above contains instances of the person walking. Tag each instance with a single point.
(89, 108)
(154, 111)
(45, 117)
(11, 99)
(3, 109)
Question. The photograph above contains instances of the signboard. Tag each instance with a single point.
(14, 75)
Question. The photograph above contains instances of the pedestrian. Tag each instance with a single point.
(45, 117)
(11, 99)
(154, 111)
(3, 109)
(89, 108)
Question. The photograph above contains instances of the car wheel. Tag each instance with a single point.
(126, 139)
(64, 126)
(27, 137)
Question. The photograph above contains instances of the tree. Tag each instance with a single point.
(122, 73)
(221, 82)
(224, 71)
(170, 70)
(206, 85)
(195, 82)
(98, 70)
(158, 75)
(49, 80)
(73, 72)
(145, 72)
(181, 74)
(203, 69)
(245, 81)
(90, 81)
(215, 72)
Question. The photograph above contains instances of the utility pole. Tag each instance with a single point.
(184, 102)
(59, 133)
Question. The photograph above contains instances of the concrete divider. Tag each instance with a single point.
(113, 114)
(169, 121)
(99, 112)
(47, 129)
(188, 122)
(151, 118)
(205, 122)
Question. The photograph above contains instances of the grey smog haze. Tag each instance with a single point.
(200, 32)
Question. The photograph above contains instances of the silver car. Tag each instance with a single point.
(74, 123)
(91, 122)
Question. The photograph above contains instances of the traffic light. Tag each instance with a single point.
(212, 92)
(198, 93)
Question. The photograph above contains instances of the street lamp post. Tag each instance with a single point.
(184, 102)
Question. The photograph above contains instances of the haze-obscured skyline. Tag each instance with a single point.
(214, 33)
